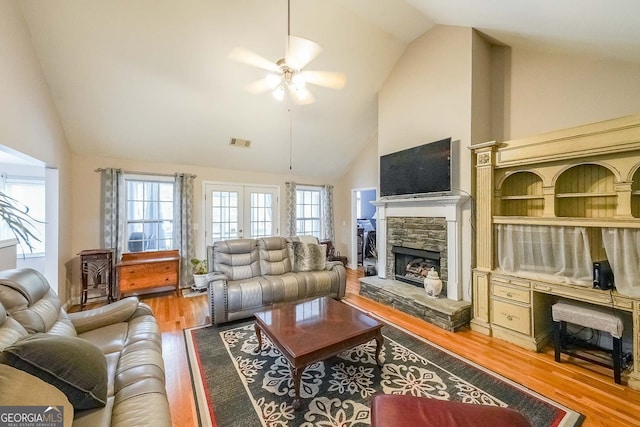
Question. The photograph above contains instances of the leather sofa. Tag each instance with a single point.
(251, 275)
(122, 339)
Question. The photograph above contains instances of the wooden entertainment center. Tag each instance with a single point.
(585, 178)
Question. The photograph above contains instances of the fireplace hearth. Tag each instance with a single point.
(412, 265)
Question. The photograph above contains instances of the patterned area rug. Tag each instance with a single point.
(235, 386)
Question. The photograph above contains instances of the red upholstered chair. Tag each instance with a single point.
(389, 410)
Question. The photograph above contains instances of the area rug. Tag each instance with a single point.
(235, 386)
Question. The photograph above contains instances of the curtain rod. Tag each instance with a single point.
(309, 185)
(146, 173)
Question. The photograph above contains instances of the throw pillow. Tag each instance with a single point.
(22, 389)
(71, 364)
(309, 256)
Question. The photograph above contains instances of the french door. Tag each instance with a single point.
(237, 211)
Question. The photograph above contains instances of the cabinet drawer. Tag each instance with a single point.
(142, 282)
(147, 275)
(515, 317)
(510, 280)
(514, 294)
(146, 269)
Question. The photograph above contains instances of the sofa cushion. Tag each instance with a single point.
(73, 365)
(27, 297)
(309, 256)
(237, 259)
(10, 330)
(29, 390)
(274, 256)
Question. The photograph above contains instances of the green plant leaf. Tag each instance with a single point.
(17, 218)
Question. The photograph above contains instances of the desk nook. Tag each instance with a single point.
(548, 208)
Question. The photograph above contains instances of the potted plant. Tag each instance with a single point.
(200, 269)
(17, 218)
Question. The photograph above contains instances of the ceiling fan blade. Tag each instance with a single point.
(301, 96)
(245, 56)
(325, 78)
(263, 85)
(301, 52)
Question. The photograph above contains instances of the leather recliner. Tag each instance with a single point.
(126, 331)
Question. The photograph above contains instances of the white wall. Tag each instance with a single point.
(551, 92)
(428, 96)
(362, 173)
(29, 121)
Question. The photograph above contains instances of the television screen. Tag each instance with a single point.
(417, 170)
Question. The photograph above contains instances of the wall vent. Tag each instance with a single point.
(238, 142)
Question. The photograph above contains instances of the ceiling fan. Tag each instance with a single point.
(287, 74)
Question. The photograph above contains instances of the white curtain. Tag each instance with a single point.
(327, 205)
(559, 254)
(622, 246)
(113, 214)
(183, 226)
(290, 209)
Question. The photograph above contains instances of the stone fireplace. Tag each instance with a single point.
(416, 244)
(420, 232)
(424, 223)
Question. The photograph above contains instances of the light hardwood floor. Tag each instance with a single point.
(581, 386)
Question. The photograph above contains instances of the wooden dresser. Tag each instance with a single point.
(146, 272)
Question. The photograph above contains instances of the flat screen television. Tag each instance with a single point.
(418, 170)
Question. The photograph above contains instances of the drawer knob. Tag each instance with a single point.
(509, 294)
(509, 317)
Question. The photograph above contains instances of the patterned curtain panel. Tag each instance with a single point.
(290, 209)
(327, 204)
(183, 226)
(113, 215)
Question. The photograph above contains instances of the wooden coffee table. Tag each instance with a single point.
(315, 330)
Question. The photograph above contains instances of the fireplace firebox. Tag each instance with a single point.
(412, 265)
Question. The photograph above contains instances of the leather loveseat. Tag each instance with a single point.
(103, 366)
(250, 275)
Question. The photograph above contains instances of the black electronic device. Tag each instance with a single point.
(602, 275)
(418, 170)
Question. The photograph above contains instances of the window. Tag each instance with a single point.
(309, 211)
(150, 211)
(29, 192)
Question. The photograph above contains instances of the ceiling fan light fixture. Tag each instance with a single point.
(273, 80)
(298, 81)
(278, 93)
(287, 74)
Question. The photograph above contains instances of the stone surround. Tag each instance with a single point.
(425, 233)
(445, 313)
(437, 211)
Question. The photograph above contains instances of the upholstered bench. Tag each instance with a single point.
(588, 316)
(401, 410)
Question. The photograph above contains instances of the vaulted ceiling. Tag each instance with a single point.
(152, 80)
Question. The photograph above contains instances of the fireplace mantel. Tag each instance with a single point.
(448, 207)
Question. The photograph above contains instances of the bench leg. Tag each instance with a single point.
(617, 359)
(557, 339)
